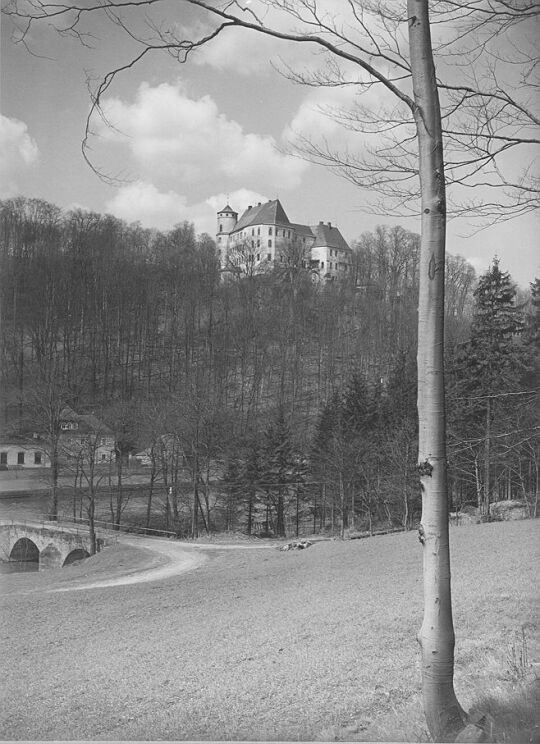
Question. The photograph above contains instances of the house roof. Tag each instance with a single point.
(87, 422)
(327, 236)
(270, 213)
(303, 230)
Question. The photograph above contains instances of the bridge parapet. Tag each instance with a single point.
(49, 544)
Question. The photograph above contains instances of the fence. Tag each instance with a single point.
(104, 525)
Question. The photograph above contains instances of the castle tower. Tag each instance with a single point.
(226, 222)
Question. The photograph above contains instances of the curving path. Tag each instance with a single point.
(172, 559)
(165, 558)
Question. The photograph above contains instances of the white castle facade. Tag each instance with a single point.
(264, 236)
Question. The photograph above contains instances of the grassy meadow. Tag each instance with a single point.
(310, 645)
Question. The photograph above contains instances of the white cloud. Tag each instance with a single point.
(239, 200)
(174, 138)
(479, 264)
(314, 115)
(247, 52)
(18, 150)
(319, 113)
(143, 202)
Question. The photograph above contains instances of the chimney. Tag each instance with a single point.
(329, 224)
(321, 222)
(259, 204)
(249, 207)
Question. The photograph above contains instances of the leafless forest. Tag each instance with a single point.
(264, 402)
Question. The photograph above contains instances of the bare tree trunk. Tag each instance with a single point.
(195, 509)
(250, 512)
(91, 512)
(53, 510)
(487, 463)
(478, 485)
(342, 505)
(444, 715)
(119, 492)
(151, 490)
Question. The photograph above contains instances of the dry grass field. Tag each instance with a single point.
(268, 645)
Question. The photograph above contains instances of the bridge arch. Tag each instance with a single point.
(50, 557)
(24, 550)
(48, 545)
(76, 555)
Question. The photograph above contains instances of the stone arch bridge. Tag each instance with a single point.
(50, 545)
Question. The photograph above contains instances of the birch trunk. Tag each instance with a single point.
(444, 715)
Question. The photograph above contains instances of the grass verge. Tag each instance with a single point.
(268, 645)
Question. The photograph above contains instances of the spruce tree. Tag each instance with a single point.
(488, 371)
(279, 468)
(252, 475)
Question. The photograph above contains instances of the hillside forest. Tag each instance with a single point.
(265, 402)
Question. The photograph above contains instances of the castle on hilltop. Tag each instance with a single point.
(264, 236)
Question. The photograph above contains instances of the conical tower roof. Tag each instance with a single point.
(227, 208)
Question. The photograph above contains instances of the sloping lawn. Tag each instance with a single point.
(264, 645)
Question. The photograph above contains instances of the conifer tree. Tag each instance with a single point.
(280, 469)
(233, 483)
(251, 476)
(489, 370)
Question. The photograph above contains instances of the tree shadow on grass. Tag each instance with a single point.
(512, 717)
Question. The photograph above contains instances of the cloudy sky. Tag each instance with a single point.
(186, 138)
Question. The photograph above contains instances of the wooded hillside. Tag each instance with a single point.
(297, 399)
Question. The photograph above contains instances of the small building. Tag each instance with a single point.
(84, 436)
(20, 452)
(81, 437)
(264, 236)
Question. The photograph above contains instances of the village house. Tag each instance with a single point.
(18, 452)
(84, 436)
(265, 236)
(81, 437)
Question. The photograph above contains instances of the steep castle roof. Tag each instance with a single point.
(227, 208)
(270, 213)
(303, 230)
(327, 236)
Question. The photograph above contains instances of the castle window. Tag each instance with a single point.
(269, 243)
(37, 458)
(20, 458)
(221, 228)
(253, 244)
(258, 231)
(258, 256)
(258, 244)
(253, 231)
(269, 231)
(322, 264)
(269, 256)
(3, 458)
